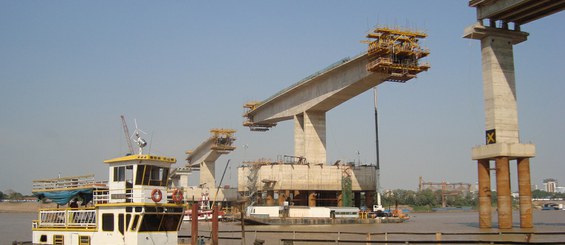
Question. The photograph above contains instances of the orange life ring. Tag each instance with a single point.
(156, 195)
(177, 196)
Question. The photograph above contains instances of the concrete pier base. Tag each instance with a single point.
(485, 213)
(525, 190)
(504, 198)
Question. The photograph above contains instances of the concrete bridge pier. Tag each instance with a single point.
(485, 195)
(501, 127)
(310, 136)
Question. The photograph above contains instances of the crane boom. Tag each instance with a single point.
(126, 132)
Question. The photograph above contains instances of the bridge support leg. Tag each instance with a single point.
(525, 190)
(208, 174)
(310, 136)
(485, 213)
(503, 191)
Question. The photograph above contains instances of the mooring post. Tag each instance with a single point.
(215, 225)
(194, 225)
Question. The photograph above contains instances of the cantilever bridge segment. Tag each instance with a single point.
(392, 55)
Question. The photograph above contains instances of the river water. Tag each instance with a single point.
(17, 227)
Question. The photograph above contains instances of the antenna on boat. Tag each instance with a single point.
(140, 142)
(126, 132)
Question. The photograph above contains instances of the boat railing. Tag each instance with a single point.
(67, 218)
(66, 182)
(120, 195)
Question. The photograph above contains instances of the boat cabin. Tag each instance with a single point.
(134, 208)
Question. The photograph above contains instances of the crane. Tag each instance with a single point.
(126, 132)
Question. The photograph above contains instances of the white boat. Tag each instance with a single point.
(132, 209)
(204, 211)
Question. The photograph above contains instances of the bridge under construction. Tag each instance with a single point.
(306, 178)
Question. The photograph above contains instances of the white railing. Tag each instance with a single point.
(123, 195)
(84, 218)
(66, 182)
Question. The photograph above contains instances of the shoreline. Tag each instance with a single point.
(24, 207)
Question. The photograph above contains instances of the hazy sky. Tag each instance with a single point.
(69, 69)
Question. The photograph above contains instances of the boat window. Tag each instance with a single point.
(107, 222)
(120, 173)
(43, 238)
(128, 218)
(84, 240)
(151, 175)
(121, 223)
(160, 222)
(58, 240)
(134, 223)
(138, 209)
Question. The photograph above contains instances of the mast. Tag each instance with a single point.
(126, 132)
(377, 151)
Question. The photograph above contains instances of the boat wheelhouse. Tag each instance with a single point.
(134, 208)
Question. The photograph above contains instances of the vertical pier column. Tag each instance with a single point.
(503, 191)
(208, 174)
(310, 136)
(525, 190)
(315, 136)
(299, 149)
(485, 202)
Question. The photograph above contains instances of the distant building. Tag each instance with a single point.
(550, 185)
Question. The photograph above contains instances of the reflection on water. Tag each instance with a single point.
(17, 226)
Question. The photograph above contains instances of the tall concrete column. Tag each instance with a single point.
(485, 202)
(299, 149)
(208, 174)
(315, 136)
(503, 192)
(499, 87)
(525, 190)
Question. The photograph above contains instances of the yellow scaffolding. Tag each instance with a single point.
(396, 52)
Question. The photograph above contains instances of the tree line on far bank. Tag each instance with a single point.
(428, 199)
(11, 195)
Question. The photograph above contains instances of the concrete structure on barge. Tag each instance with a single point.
(302, 184)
